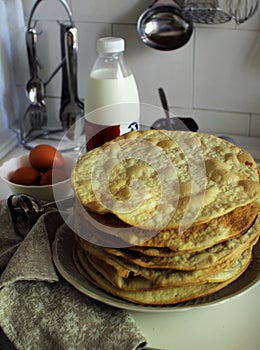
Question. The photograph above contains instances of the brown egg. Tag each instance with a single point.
(52, 176)
(44, 157)
(25, 176)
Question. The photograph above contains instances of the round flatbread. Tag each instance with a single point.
(181, 208)
(108, 231)
(155, 179)
(166, 296)
(125, 259)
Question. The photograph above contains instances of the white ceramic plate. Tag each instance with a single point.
(62, 256)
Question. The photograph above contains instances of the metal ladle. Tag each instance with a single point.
(165, 26)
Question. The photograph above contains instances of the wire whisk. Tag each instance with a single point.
(242, 10)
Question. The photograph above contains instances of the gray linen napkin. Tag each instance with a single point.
(40, 310)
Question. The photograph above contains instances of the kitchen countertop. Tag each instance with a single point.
(232, 324)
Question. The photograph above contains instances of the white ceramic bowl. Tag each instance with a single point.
(47, 192)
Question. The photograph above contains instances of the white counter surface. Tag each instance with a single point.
(230, 325)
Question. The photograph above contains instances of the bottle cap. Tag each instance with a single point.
(110, 44)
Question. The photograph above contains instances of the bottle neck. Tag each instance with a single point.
(115, 55)
(113, 63)
(112, 58)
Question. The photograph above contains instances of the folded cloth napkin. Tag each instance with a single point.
(40, 310)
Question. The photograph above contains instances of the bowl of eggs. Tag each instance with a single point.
(44, 173)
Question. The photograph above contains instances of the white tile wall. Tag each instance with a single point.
(227, 70)
(255, 125)
(110, 11)
(215, 77)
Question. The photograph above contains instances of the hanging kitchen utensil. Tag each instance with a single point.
(242, 10)
(63, 2)
(35, 117)
(217, 12)
(72, 112)
(64, 27)
(29, 28)
(206, 12)
(35, 120)
(34, 124)
(35, 86)
(165, 26)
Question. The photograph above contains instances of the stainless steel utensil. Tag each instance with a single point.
(35, 117)
(34, 123)
(64, 27)
(72, 111)
(242, 10)
(173, 123)
(34, 87)
(25, 210)
(165, 26)
(206, 11)
(63, 3)
(211, 12)
(165, 107)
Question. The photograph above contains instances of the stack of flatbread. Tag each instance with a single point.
(165, 216)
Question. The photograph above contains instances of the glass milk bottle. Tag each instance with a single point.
(112, 103)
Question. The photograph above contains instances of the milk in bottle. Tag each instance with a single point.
(112, 100)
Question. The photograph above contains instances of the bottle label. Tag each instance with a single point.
(97, 135)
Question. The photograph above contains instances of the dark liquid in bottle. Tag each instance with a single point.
(97, 135)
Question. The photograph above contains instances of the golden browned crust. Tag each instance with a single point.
(158, 296)
(151, 160)
(207, 238)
